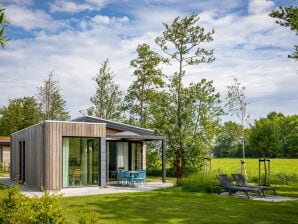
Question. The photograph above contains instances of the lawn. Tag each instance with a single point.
(175, 206)
(232, 165)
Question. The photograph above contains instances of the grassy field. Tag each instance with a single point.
(175, 206)
(233, 165)
(282, 171)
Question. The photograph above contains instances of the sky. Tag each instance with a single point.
(72, 39)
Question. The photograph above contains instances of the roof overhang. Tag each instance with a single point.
(135, 137)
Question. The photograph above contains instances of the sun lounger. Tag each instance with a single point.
(241, 181)
(228, 186)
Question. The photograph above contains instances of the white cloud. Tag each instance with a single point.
(99, 19)
(68, 6)
(74, 6)
(28, 19)
(259, 6)
(250, 47)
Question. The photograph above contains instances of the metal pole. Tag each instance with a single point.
(164, 160)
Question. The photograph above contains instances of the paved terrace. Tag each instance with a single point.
(114, 188)
(111, 188)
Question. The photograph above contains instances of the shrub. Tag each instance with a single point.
(284, 178)
(199, 183)
(17, 208)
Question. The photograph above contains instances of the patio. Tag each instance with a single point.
(111, 188)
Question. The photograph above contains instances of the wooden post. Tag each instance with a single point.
(266, 165)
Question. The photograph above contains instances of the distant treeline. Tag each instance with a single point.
(275, 136)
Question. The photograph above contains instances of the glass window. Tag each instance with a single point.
(125, 155)
(136, 156)
(80, 161)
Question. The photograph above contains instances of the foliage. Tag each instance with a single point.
(265, 137)
(17, 208)
(237, 104)
(181, 41)
(51, 100)
(107, 100)
(275, 136)
(287, 17)
(198, 182)
(4, 169)
(289, 136)
(19, 114)
(228, 140)
(3, 22)
(142, 92)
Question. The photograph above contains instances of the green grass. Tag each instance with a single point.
(276, 165)
(176, 206)
(282, 171)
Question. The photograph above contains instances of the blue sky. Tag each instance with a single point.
(72, 38)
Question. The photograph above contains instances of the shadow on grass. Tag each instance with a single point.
(176, 206)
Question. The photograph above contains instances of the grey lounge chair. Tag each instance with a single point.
(228, 186)
(241, 181)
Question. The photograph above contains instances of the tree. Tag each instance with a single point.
(288, 17)
(227, 141)
(149, 79)
(288, 126)
(237, 104)
(265, 138)
(181, 41)
(3, 22)
(202, 112)
(107, 99)
(19, 114)
(51, 100)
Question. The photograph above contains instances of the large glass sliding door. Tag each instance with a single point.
(135, 156)
(80, 161)
(123, 155)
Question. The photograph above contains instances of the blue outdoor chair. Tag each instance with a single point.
(120, 173)
(126, 177)
(140, 177)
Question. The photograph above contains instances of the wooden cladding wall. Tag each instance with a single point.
(33, 140)
(54, 131)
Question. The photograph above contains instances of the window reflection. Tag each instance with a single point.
(80, 161)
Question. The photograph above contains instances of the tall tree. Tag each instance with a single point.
(202, 110)
(53, 106)
(3, 22)
(108, 98)
(228, 140)
(264, 136)
(19, 114)
(289, 131)
(288, 17)
(149, 79)
(181, 41)
(237, 104)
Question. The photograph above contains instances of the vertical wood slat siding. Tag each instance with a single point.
(54, 131)
(33, 150)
